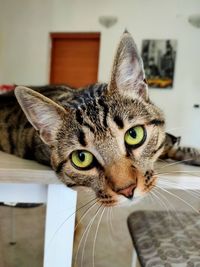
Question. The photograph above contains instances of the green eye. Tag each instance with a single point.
(135, 136)
(82, 159)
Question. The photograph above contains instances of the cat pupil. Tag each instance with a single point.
(81, 156)
(133, 133)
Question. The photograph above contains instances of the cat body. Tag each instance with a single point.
(173, 151)
(105, 136)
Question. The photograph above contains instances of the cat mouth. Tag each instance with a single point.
(112, 198)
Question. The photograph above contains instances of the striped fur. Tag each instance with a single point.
(173, 151)
(59, 120)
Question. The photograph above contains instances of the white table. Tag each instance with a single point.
(27, 181)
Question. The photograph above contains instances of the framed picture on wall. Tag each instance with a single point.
(159, 62)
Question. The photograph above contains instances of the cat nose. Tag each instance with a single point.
(128, 191)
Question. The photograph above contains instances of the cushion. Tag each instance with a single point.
(169, 239)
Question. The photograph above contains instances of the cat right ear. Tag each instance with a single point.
(128, 75)
(45, 115)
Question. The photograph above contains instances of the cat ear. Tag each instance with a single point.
(128, 75)
(178, 140)
(45, 115)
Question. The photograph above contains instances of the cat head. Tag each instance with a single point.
(110, 139)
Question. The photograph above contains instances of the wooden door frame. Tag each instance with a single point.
(70, 35)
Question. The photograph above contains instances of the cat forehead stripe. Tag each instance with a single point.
(82, 138)
(118, 120)
(105, 110)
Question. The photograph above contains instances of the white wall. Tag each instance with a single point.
(24, 40)
(24, 45)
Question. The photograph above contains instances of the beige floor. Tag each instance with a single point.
(113, 246)
(28, 252)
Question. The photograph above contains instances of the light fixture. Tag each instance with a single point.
(194, 20)
(108, 21)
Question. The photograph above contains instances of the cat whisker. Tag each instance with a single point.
(79, 208)
(175, 128)
(85, 213)
(164, 178)
(174, 195)
(61, 225)
(111, 219)
(187, 172)
(174, 163)
(109, 224)
(85, 241)
(167, 200)
(150, 196)
(169, 210)
(154, 196)
(84, 233)
(84, 205)
(95, 237)
(195, 193)
(160, 201)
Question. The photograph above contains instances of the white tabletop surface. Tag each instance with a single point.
(16, 170)
(178, 175)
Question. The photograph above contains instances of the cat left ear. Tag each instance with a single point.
(128, 75)
(44, 114)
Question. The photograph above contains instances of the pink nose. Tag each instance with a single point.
(128, 191)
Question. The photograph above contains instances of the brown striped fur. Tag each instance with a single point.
(173, 151)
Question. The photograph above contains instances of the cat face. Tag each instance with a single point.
(107, 141)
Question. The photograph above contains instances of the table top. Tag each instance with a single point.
(17, 170)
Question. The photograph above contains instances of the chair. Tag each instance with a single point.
(169, 239)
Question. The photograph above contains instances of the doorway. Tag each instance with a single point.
(74, 58)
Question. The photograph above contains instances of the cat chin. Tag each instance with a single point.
(129, 202)
(123, 201)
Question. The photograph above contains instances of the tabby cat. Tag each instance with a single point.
(105, 136)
